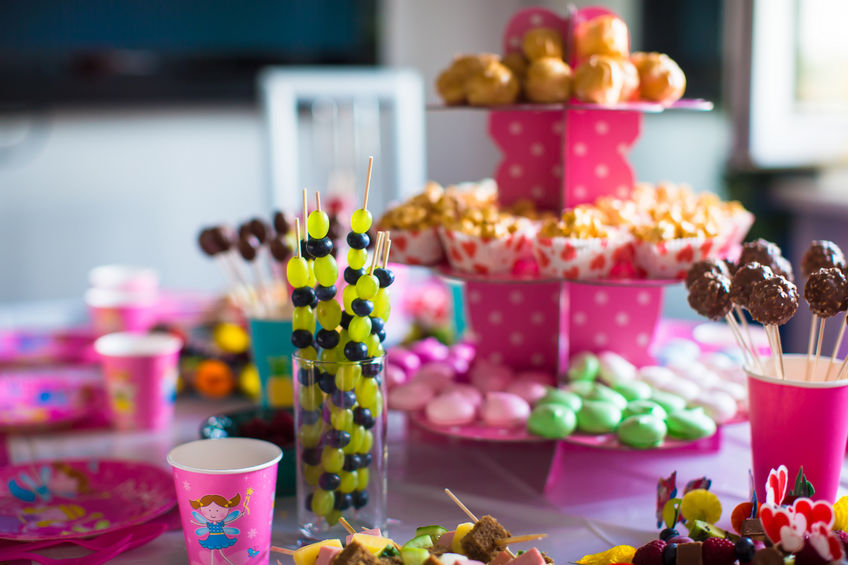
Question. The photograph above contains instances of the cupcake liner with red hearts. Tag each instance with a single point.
(734, 230)
(581, 259)
(417, 247)
(672, 259)
(474, 254)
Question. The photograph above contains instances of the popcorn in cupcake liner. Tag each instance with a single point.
(581, 259)
(417, 247)
(476, 254)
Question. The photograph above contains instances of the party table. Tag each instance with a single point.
(597, 498)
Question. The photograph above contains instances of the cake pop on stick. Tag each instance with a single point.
(743, 281)
(210, 245)
(709, 295)
(248, 247)
(825, 254)
(224, 238)
(773, 303)
(826, 291)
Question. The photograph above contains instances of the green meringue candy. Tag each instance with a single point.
(583, 367)
(690, 424)
(634, 390)
(606, 394)
(554, 421)
(643, 431)
(563, 397)
(598, 417)
(669, 402)
(640, 407)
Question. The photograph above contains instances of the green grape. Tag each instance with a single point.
(310, 397)
(333, 517)
(363, 476)
(344, 337)
(322, 501)
(356, 258)
(329, 314)
(311, 280)
(349, 481)
(303, 319)
(310, 434)
(332, 459)
(311, 474)
(318, 224)
(375, 405)
(297, 272)
(348, 296)
(341, 418)
(308, 353)
(328, 356)
(366, 392)
(360, 328)
(367, 286)
(361, 220)
(381, 304)
(347, 376)
(356, 437)
(372, 342)
(367, 442)
(326, 270)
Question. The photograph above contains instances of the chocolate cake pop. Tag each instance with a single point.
(208, 242)
(760, 250)
(731, 266)
(821, 254)
(259, 229)
(709, 295)
(282, 223)
(773, 301)
(826, 291)
(223, 238)
(782, 267)
(247, 247)
(744, 280)
(698, 268)
(280, 250)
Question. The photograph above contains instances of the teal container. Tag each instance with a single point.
(270, 342)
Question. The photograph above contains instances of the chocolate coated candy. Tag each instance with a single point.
(259, 229)
(761, 251)
(208, 242)
(745, 278)
(280, 250)
(782, 267)
(826, 291)
(773, 301)
(247, 247)
(710, 296)
(706, 266)
(282, 223)
(820, 255)
(223, 238)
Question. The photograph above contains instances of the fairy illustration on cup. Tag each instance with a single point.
(213, 516)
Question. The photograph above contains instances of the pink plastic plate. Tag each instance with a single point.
(47, 500)
(46, 397)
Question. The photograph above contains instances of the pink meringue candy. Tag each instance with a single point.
(504, 410)
(464, 350)
(530, 391)
(410, 397)
(451, 409)
(430, 349)
(395, 376)
(474, 396)
(435, 374)
(489, 377)
(403, 358)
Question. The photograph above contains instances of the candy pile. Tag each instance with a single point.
(762, 282)
(536, 70)
(607, 395)
(657, 233)
(483, 541)
(788, 528)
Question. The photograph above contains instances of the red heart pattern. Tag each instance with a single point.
(815, 512)
(773, 519)
(598, 263)
(470, 248)
(568, 252)
(686, 254)
(399, 242)
(776, 485)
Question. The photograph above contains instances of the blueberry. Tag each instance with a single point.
(337, 438)
(303, 296)
(360, 498)
(310, 417)
(304, 250)
(325, 293)
(327, 383)
(368, 423)
(343, 501)
(377, 324)
(327, 339)
(372, 369)
(668, 533)
(355, 350)
(362, 307)
(352, 462)
(745, 550)
(385, 276)
(346, 318)
(351, 276)
(311, 455)
(301, 338)
(319, 247)
(361, 415)
(305, 376)
(365, 460)
(308, 502)
(358, 240)
(669, 554)
(314, 304)
(382, 336)
(329, 481)
(344, 399)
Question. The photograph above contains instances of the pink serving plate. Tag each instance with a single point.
(47, 500)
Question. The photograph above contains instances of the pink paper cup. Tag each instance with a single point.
(120, 311)
(141, 378)
(225, 493)
(795, 423)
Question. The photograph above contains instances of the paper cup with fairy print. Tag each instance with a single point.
(225, 493)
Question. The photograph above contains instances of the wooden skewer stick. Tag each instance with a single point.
(297, 234)
(839, 374)
(779, 351)
(737, 334)
(386, 254)
(818, 348)
(747, 333)
(378, 248)
(305, 215)
(469, 513)
(773, 347)
(346, 525)
(810, 347)
(836, 346)
(283, 550)
(318, 200)
(367, 183)
(521, 539)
